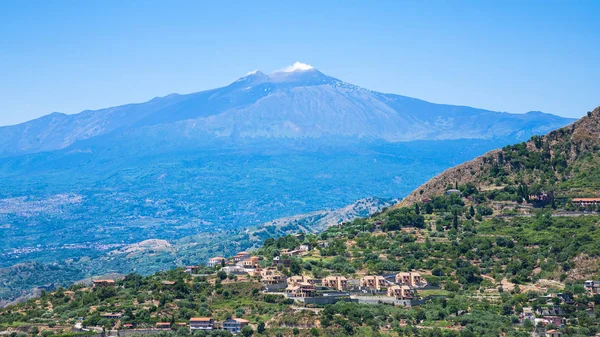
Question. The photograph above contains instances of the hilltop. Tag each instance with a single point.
(563, 163)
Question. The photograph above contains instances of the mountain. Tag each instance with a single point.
(298, 103)
(217, 167)
(563, 162)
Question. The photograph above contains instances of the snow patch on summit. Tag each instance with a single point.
(297, 66)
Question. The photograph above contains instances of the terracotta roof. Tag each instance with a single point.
(200, 319)
(104, 281)
(241, 320)
(586, 199)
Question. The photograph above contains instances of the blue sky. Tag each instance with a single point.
(513, 56)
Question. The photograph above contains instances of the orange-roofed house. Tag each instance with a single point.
(412, 279)
(336, 282)
(163, 325)
(300, 279)
(301, 289)
(241, 256)
(251, 262)
(584, 202)
(202, 323)
(375, 282)
(216, 261)
(402, 292)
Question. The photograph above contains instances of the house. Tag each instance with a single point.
(300, 279)
(553, 333)
(241, 256)
(412, 279)
(112, 316)
(202, 323)
(272, 279)
(539, 197)
(555, 320)
(234, 325)
(295, 252)
(551, 311)
(163, 325)
(402, 292)
(277, 260)
(584, 202)
(251, 262)
(168, 283)
(373, 282)
(103, 283)
(299, 236)
(592, 287)
(216, 261)
(323, 244)
(453, 191)
(271, 276)
(336, 282)
(234, 270)
(301, 289)
(528, 314)
(305, 247)
(191, 269)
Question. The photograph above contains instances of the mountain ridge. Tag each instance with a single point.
(286, 104)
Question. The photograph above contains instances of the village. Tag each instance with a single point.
(400, 289)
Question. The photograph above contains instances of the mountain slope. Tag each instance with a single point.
(294, 104)
(564, 161)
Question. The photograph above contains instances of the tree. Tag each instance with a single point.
(472, 211)
(247, 331)
(261, 327)
(428, 208)
(417, 210)
(295, 267)
(455, 220)
(222, 275)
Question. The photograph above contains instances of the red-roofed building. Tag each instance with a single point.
(202, 323)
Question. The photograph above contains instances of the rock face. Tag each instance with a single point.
(294, 104)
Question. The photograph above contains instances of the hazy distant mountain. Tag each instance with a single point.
(298, 103)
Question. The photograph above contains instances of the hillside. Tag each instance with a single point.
(61, 265)
(482, 277)
(564, 162)
(472, 262)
